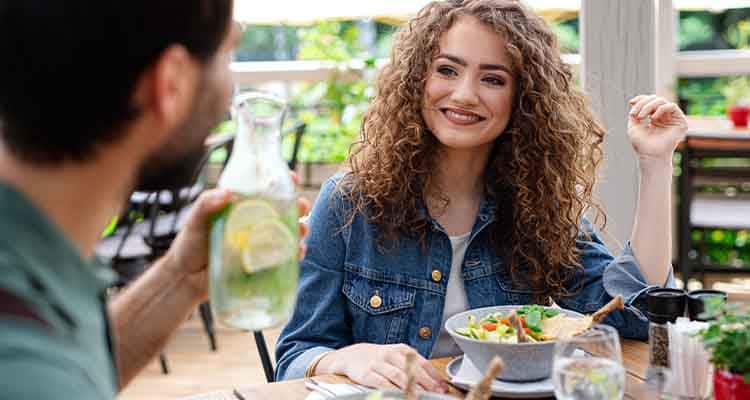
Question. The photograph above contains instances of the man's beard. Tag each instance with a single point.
(170, 172)
(176, 164)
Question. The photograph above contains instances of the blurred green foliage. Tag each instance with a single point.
(332, 109)
(697, 30)
(703, 30)
(265, 43)
(567, 35)
(737, 91)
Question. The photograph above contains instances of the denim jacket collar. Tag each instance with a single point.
(486, 215)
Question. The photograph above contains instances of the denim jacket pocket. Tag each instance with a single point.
(378, 304)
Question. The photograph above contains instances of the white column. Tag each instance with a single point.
(618, 46)
(667, 21)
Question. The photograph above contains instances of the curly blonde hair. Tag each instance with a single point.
(542, 169)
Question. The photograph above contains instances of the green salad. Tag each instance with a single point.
(496, 327)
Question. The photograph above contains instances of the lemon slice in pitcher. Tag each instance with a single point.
(241, 219)
(269, 244)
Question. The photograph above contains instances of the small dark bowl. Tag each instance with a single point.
(696, 305)
(665, 304)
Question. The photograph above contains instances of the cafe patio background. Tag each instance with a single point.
(322, 56)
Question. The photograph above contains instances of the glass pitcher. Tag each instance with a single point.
(254, 242)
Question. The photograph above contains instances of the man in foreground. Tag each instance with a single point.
(97, 98)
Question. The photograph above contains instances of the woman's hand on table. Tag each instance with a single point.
(381, 366)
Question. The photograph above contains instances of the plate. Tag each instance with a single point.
(511, 390)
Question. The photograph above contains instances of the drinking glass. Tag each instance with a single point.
(588, 366)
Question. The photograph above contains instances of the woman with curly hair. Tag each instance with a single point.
(476, 165)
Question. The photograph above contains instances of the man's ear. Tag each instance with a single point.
(165, 91)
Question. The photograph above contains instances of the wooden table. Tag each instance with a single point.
(712, 133)
(634, 357)
(714, 138)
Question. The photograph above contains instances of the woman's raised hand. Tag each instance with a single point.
(657, 137)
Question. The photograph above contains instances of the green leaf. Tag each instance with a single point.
(533, 319)
(550, 312)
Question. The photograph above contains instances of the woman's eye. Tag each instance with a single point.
(447, 71)
(492, 80)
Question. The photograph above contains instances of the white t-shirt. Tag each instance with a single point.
(455, 298)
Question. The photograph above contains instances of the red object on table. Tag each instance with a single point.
(739, 115)
(729, 386)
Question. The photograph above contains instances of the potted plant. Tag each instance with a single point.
(737, 93)
(727, 338)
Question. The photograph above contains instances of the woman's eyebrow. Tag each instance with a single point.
(463, 63)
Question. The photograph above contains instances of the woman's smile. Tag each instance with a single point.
(461, 117)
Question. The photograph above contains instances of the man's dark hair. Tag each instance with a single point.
(68, 68)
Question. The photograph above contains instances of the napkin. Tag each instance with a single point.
(338, 389)
(690, 368)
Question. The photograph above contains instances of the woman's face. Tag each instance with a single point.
(468, 96)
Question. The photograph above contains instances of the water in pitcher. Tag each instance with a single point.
(254, 242)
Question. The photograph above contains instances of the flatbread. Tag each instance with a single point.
(563, 326)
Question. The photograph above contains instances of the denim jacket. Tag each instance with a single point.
(349, 292)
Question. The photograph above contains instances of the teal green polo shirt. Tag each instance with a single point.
(66, 353)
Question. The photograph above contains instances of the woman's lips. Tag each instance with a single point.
(461, 117)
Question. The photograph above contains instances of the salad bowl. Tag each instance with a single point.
(524, 362)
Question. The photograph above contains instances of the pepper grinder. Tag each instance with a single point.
(664, 306)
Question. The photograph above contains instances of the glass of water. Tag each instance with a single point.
(589, 366)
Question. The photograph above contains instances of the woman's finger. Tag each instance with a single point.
(426, 378)
(650, 107)
(636, 99)
(377, 381)
(303, 206)
(304, 229)
(396, 375)
(433, 373)
(664, 111)
(640, 103)
(424, 371)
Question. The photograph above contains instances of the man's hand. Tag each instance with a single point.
(188, 255)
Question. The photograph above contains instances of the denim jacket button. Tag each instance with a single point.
(425, 332)
(376, 301)
(437, 275)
